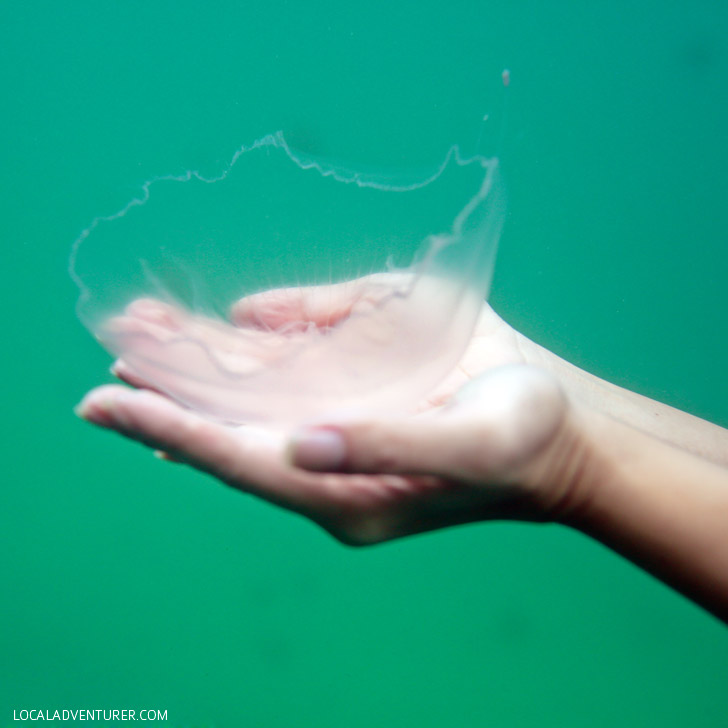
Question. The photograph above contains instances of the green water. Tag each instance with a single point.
(129, 583)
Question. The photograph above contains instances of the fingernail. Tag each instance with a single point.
(101, 408)
(95, 410)
(79, 410)
(318, 449)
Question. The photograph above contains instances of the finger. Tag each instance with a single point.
(157, 312)
(379, 446)
(126, 374)
(165, 323)
(121, 370)
(248, 459)
(162, 425)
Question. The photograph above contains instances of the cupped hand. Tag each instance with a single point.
(495, 439)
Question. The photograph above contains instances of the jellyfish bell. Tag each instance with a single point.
(288, 287)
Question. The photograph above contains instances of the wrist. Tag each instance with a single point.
(561, 478)
(604, 445)
(659, 506)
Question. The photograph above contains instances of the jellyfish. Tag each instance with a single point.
(286, 287)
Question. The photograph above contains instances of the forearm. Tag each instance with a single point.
(669, 424)
(662, 508)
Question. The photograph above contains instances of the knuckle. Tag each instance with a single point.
(372, 448)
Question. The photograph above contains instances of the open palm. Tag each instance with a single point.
(482, 444)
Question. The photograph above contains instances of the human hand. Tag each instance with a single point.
(494, 440)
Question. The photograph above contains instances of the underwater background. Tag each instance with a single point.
(126, 582)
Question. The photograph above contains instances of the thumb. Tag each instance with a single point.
(375, 446)
(495, 424)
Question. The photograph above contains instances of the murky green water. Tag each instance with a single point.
(129, 583)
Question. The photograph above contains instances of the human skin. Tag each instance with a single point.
(514, 432)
